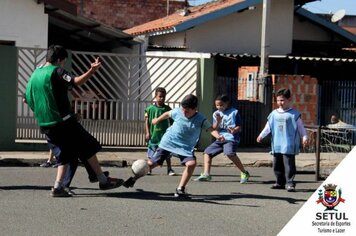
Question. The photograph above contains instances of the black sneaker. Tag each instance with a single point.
(129, 183)
(55, 165)
(59, 192)
(94, 179)
(180, 193)
(111, 183)
(46, 164)
(69, 191)
(277, 186)
(290, 188)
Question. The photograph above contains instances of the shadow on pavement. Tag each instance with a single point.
(210, 199)
(25, 187)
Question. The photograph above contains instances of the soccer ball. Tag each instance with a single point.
(140, 168)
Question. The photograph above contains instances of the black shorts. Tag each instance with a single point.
(69, 140)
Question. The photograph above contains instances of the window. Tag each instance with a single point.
(250, 93)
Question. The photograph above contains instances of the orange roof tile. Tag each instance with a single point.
(169, 22)
(350, 29)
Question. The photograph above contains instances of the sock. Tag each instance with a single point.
(57, 184)
(102, 178)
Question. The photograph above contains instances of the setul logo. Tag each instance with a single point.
(330, 198)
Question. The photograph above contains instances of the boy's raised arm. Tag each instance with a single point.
(147, 129)
(162, 117)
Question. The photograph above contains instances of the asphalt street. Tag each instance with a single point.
(220, 207)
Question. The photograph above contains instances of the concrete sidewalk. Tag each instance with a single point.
(250, 158)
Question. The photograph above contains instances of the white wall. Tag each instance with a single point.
(24, 22)
(238, 32)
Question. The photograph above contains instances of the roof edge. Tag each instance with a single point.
(321, 21)
(216, 14)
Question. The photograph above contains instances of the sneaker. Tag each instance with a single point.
(129, 183)
(290, 188)
(111, 183)
(180, 193)
(46, 164)
(59, 192)
(69, 191)
(94, 179)
(244, 177)
(171, 172)
(149, 172)
(203, 177)
(55, 165)
(277, 186)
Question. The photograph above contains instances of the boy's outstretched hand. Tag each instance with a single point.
(154, 121)
(221, 138)
(305, 142)
(95, 65)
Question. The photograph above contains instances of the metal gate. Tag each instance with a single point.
(112, 103)
(338, 98)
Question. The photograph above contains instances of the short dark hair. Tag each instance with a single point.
(190, 101)
(160, 90)
(283, 92)
(56, 52)
(223, 97)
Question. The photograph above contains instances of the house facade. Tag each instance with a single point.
(14, 30)
(305, 52)
(237, 32)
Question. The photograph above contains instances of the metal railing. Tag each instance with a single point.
(112, 103)
(327, 144)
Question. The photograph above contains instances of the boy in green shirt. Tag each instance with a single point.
(154, 133)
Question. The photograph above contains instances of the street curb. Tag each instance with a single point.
(16, 162)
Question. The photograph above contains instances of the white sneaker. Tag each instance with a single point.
(171, 172)
(69, 191)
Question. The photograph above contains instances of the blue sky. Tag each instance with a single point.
(321, 6)
(331, 6)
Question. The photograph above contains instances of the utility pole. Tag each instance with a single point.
(263, 72)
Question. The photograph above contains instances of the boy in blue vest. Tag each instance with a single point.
(227, 121)
(286, 126)
(180, 139)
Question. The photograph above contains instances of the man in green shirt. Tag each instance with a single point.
(47, 96)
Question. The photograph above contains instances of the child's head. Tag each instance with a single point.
(160, 96)
(56, 54)
(222, 102)
(334, 119)
(283, 98)
(189, 105)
